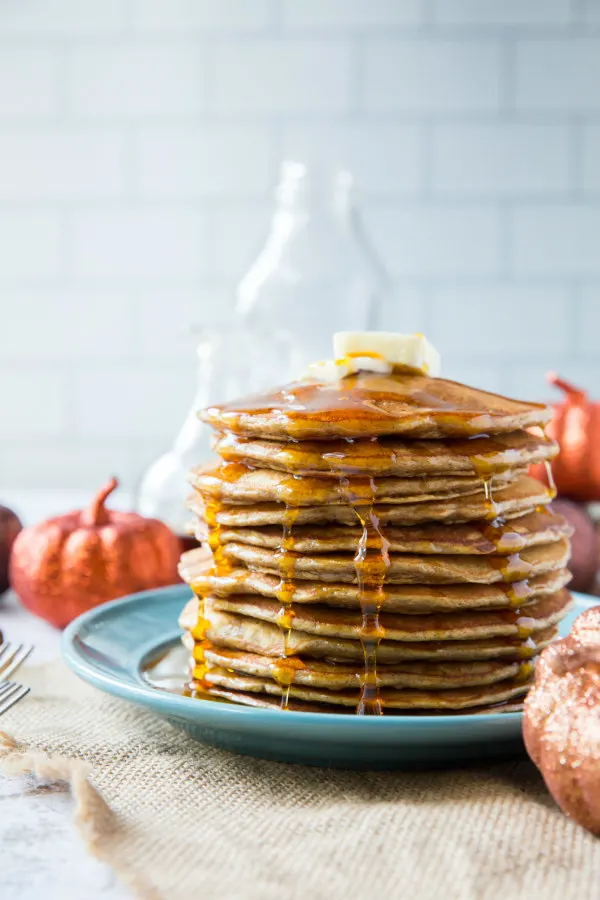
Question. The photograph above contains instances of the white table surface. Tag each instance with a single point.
(41, 855)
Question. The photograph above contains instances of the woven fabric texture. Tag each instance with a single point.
(177, 819)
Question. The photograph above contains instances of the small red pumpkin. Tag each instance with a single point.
(561, 721)
(71, 563)
(575, 424)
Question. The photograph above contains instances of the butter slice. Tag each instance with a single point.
(371, 351)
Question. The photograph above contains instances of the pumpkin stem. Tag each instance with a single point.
(573, 392)
(96, 513)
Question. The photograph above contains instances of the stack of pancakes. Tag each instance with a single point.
(375, 546)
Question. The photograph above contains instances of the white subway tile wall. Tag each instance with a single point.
(139, 144)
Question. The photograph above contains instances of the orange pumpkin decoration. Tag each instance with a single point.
(561, 719)
(71, 563)
(575, 425)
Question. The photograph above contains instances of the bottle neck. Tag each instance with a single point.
(304, 193)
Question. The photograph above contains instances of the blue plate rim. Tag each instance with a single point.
(223, 714)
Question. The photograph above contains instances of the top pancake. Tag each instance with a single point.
(369, 405)
(481, 455)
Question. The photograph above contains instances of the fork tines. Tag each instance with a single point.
(11, 657)
(11, 693)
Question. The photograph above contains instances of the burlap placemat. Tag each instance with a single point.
(178, 820)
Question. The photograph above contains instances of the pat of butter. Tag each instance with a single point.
(371, 350)
(330, 369)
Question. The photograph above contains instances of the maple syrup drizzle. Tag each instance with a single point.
(514, 569)
(517, 592)
(222, 566)
(548, 466)
(527, 648)
(211, 516)
(355, 403)
(200, 645)
(550, 478)
(287, 665)
(371, 563)
(369, 399)
(491, 509)
(525, 671)
(500, 533)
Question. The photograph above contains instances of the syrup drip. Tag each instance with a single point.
(548, 467)
(231, 472)
(286, 667)
(517, 592)
(499, 533)
(211, 514)
(371, 563)
(527, 648)
(199, 635)
(512, 567)
(525, 626)
(491, 509)
(222, 567)
(492, 455)
(514, 570)
(550, 478)
(525, 671)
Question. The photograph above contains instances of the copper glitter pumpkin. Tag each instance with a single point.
(575, 425)
(561, 720)
(71, 563)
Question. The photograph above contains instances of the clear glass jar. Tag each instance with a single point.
(318, 272)
(232, 362)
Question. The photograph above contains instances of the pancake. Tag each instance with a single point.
(390, 456)
(197, 571)
(405, 568)
(458, 698)
(374, 547)
(263, 701)
(237, 632)
(369, 405)
(339, 676)
(453, 626)
(532, 529)
(236, 483)
(518, 498)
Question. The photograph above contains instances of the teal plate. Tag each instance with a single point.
(110, 646)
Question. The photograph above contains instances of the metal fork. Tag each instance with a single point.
(11, 657)
(11, 693)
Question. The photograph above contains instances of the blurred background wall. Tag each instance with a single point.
(139, 144)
